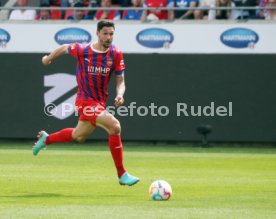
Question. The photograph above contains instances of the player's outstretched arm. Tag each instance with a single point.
(120, 89)
(47, 59)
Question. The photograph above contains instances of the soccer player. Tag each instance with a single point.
(96, 63)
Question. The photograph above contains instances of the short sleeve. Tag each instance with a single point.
(119, 64)
(73, 49)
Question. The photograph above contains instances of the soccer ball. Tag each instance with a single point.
(160, 190)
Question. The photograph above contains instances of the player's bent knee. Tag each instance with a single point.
(80, 139)
(115, 129)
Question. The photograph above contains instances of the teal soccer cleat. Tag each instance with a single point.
(40, 143)
(127, 179)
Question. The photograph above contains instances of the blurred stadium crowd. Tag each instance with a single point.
(142, 9)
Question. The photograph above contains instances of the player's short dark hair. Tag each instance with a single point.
(105, 23)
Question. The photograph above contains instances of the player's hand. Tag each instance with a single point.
(119, 100)
(45, 60)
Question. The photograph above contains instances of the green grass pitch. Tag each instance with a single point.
(79, 181)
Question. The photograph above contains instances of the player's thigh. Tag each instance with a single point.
(107, 121)
(83, 130)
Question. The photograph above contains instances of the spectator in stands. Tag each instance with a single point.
(271, 13)
(261, 13)
(55, 14)
(21, 14)
(110, 14)
(93, 4)
(44, 14)
(126, 3)
(185, 5)
(55, 3)
(267, 14)
(158, 14)
(66, 3)
(78, 14)
(134, 14)
(220, 14)
(244, 14)
(203, 14)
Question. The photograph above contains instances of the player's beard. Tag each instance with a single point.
(107, 44)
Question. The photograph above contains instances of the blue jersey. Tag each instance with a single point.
(132, 14)
(184, 4)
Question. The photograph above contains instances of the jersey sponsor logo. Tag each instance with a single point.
(98, 70)
(60, 94)
(72, 35)
(155, 38)
(4, 38)
(239, 38)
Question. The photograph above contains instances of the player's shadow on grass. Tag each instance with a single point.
(56, 195)
(39, 195)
